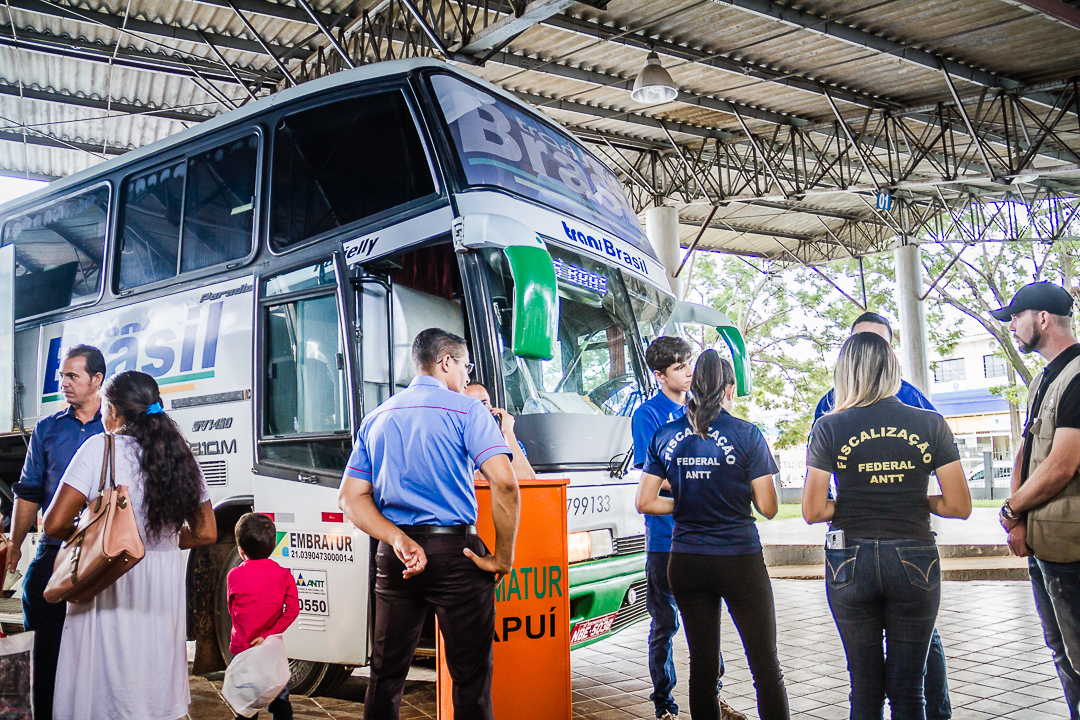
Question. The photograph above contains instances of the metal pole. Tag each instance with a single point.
(662, 229)
(988, 474)
(326, 31)
(913, 343)
(862, 281)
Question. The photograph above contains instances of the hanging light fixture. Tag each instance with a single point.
(653, 84)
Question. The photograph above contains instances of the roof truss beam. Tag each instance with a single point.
(54, 142)
(79, 49)
(737, 227)
(146, 27)
(98, 104)
(860, 38)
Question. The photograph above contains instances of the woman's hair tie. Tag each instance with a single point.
(155, 408)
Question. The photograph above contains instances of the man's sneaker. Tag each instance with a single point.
(729, 713)
(667, 716)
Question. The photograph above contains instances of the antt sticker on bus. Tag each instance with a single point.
(314, 546)
(311, 591)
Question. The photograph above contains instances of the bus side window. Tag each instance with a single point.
(58, 252)
(305, 420)
(342, 162)
(207, 199)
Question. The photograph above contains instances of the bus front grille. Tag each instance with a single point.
(630, 545)
(633, 606)
(215, 472)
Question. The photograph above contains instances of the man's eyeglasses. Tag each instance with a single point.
(468, 365)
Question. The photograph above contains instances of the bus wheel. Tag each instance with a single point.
(308, 678)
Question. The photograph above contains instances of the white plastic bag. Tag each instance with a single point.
(256, 676)
(16, 676)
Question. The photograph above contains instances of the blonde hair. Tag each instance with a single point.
(866, 372)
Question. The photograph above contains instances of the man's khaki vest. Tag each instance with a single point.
(1053, 528)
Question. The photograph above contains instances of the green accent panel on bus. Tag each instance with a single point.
(600, 597)
(536, 302)
(604, 568)
(743, 381)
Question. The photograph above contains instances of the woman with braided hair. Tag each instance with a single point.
(717, 465)
(123, 655)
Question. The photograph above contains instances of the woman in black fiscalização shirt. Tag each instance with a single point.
(887, 577)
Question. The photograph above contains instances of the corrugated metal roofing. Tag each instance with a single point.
(84, 80)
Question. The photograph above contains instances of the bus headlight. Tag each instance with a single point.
(589, 545)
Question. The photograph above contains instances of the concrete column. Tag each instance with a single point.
(914, 353)
(662, 229)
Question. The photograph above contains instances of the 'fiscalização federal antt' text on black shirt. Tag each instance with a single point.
(882, 456)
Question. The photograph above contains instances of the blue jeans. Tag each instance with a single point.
(890, 587)
(936, 682)
(665, 623)
(46, 619)
(1057, 598)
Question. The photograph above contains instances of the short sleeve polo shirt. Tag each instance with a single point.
(655, 412)
(710, 480)
(419, 450)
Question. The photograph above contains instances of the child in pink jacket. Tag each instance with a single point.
(262, 596)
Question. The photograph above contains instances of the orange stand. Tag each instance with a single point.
(531, 680)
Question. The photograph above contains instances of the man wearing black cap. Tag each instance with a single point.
(1043, 513)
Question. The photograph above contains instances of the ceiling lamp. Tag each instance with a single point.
(654, 85)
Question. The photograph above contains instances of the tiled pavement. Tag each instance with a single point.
(999, 666)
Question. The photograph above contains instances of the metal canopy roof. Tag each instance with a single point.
(790, 120)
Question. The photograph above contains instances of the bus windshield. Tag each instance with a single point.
(598, 368)
(501, 146)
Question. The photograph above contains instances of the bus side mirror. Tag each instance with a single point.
(693, 313)
(536, 296)
(744, 383)
(536, 302)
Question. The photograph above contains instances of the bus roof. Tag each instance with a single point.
(336, 80)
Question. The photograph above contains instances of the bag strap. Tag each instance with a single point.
(108, 464)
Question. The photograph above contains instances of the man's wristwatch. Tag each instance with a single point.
(1007, 512)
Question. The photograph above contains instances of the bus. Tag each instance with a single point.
(271, 268)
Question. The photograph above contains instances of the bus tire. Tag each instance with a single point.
(308, 678)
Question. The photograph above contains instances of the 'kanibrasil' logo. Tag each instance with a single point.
(171, 354)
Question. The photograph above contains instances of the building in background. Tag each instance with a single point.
(978, 418)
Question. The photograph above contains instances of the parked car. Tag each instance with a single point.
(1002, 477)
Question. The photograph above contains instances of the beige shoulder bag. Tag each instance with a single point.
(105, 545)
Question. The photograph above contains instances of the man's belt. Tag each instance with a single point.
(425, 530)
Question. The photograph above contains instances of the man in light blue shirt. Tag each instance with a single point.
(669, 359)
(409, 484)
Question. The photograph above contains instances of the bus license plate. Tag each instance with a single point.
(589, 629)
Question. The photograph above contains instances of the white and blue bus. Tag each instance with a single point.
(271, 267)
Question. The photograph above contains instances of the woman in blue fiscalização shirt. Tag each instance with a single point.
(717, 465)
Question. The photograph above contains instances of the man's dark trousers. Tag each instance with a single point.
(46, 619)
(463, 597)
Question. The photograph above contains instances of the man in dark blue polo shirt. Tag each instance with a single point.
(935, 679)
(52, 445)
(409, 484)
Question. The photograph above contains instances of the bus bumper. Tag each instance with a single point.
(606, 595)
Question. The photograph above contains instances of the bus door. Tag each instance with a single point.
(306, 417)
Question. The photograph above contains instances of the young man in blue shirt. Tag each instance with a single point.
(935, 680)
(52, 445)
(669, 359)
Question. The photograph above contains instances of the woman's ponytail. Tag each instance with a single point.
(713, 375)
